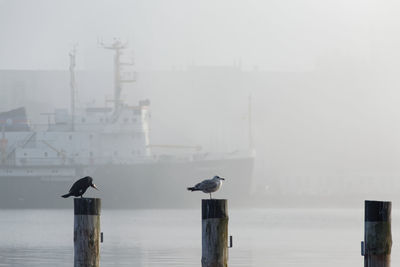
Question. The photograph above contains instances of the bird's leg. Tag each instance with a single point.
(81, 196)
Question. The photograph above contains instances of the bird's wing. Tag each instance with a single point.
(197, 185)
(207, 185)
(72, 187)
(77, 185)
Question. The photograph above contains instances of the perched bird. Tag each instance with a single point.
(208, 186)
(80, 187)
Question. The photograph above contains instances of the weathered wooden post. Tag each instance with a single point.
(377, 234)
(214, 233)
(87, 232)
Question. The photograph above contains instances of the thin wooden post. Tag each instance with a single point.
(87, 232)
(214, 233)
(377, 234)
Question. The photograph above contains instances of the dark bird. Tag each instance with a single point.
(208, 186)
(80, 187)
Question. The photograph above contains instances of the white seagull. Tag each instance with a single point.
(208, 186)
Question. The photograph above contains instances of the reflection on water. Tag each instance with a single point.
(41, 256)
(173, 238)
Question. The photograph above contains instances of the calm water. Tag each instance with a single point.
(269, 237)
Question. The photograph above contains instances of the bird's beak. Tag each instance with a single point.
(221, 178)
(94, 186)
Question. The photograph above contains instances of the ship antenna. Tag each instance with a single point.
(72, 84)
(117, 46)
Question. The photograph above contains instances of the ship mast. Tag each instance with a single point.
(72, 85)
(3, 145)
(118, 46)
(251, 142)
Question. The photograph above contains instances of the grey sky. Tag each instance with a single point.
(273, 35)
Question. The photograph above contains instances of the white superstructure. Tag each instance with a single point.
(98, 138)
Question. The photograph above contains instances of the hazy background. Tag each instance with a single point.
(322, 75)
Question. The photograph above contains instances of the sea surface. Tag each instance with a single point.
(261, 237)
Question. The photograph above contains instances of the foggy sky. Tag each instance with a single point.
(326, 99)
(273, 35)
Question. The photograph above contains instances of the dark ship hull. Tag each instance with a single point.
(145, 185)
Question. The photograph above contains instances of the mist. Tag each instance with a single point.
(322, 77)
(287, 110)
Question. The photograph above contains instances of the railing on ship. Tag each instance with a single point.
(57, 161)
(101, 127)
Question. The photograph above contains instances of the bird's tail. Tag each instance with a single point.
(66, 195)
(192, 189)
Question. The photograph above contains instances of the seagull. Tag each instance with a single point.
(208, 186)
(80, 187)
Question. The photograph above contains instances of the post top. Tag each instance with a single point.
(87, 206)
(376, 201)
(214, 208)
(377, 211)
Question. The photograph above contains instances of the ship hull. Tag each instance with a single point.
(146, 185)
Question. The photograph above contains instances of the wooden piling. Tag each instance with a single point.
(87, 232)
(377, 233)
(214, 233)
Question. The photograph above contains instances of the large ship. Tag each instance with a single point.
(38, 163)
